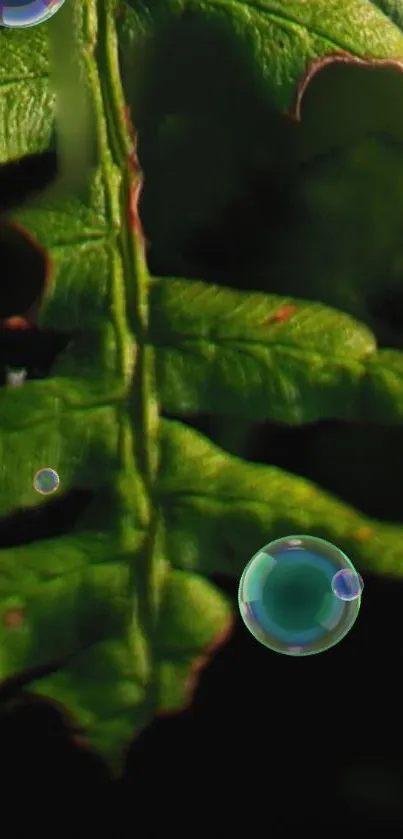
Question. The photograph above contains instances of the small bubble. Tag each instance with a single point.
(46, 481)
(347, 584)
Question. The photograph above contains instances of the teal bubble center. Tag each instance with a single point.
(286, 598)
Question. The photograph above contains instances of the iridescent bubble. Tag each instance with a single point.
(347, 584)
(46, 481)
(17, 14)
(286, 598)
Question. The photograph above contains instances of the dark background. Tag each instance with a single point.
(312, 743)
(270, 742)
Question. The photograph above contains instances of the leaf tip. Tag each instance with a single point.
(198, 665)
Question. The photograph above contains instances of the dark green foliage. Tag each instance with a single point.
(123, 602)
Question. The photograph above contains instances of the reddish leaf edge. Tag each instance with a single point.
(343, 58)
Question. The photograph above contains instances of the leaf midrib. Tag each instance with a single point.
(138, 416)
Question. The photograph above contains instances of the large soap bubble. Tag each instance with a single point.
(286, 598)
(18, 14)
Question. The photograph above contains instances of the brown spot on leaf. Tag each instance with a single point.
(13, 618)
(15, 322)
(364, 534)
(281, 316)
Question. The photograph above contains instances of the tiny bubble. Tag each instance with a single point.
(46, 481)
